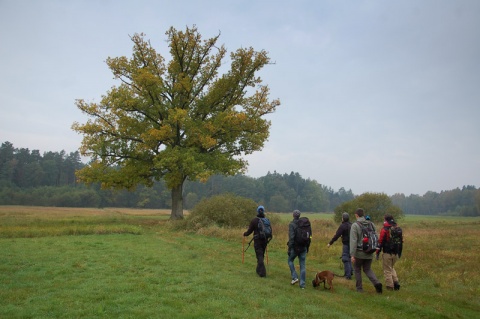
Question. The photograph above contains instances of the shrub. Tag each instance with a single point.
(376, 205)
(225, 210)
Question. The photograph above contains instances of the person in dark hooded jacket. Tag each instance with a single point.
(344, 232)
(259, 244)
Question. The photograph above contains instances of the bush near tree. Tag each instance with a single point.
(226, 210)
(375, 205)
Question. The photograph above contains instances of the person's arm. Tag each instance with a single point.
(353, 240)
(250, 229)
(381, 242)
(336, 236)
(291, 235)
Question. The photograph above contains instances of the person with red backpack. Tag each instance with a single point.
(391, 243)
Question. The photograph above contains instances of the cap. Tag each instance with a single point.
(296, 213)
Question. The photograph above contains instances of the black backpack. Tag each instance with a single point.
(264, 229)
(395, 240)
(369, 239)
(303, 234)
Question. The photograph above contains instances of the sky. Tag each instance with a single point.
(376, 96)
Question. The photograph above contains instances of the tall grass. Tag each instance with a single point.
(163, 272)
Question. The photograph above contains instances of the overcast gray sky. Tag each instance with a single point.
(377, 96)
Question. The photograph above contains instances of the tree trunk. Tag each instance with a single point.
(177, 202)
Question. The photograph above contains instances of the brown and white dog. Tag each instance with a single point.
(323, 276)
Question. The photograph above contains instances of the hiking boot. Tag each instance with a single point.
(378, 287)
(396, 286)
(294, 281)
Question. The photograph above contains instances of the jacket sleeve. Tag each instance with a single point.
(291, 235)
(251, 228)
(382, 239)
(353, 239)
(337, 235)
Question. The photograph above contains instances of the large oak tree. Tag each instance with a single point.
(176, 120)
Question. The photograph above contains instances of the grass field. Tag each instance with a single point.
(125, 263)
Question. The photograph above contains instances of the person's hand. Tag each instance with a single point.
(353, 259)
(328, 246)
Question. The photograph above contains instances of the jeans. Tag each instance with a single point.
(347, 261)
(302, 256)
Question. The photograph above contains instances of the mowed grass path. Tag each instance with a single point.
(87, 263)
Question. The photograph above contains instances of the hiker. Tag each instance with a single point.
(298, 247)
(391, 244)
(360, 258)
(259, 244)
(344, 232)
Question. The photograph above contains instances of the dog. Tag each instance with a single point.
(324, 276)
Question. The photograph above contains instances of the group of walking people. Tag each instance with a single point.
(354, 258)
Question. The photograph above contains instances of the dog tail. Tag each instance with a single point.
(338, 275)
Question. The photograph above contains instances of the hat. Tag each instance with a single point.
(296, 213)
(391, 221)
(260, 209)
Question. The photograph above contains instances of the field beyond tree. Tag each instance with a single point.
(135, 263)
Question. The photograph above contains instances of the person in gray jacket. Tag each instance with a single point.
(360, 259)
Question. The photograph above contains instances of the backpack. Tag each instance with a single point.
(395, 240)
(369, 239)
(303, 233)
(264, 229)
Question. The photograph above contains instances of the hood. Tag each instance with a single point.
(389, 224)
(362, 220)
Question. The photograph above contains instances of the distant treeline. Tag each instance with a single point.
(48, 179)
(455, 202)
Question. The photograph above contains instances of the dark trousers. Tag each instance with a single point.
(260, 247)
(366, 265)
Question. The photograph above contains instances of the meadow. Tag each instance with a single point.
(127, 263)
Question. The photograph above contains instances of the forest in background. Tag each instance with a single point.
(48, 179)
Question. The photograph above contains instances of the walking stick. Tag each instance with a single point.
(243, 249)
